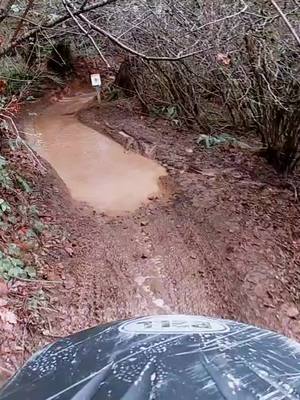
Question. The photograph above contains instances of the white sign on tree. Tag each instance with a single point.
(96, 80)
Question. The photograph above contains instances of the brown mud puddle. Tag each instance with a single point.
(96, 169)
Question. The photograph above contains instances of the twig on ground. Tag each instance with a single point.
(295, 191)
(38, 281)
(8, 371)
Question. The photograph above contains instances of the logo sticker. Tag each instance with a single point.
(174, 324)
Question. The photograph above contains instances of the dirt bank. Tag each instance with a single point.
(225, 241)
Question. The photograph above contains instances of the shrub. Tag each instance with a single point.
(245, 78)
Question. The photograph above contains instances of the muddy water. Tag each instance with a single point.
(96, 169)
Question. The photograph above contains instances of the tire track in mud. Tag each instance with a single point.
(181, 266)
(125, 269)
(138, 264)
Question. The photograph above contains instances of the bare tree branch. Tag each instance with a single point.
(21, 21)
(52, 24)
(86, 33)
(130, 50)
(4, 8)
(287, 22)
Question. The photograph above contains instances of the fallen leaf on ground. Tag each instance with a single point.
(223, 58)
(3, 288)
(69, 251)
(51, 276)
(23, 230)
(3, 302)
(292, 312)
(189, 151)
(8, 316)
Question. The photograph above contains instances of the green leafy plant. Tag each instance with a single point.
(22, 209)
(171, 112)
(211, 141)
(13, 267)
(14, 250)
(3, 162)
(38, 300)
(114, 93)
(32, 210)
(14, 143)
(23, 184)
(38, 227)
(3, 101)
(30, 271)
(4, 226)
(18, 78)
(12, 219)
(5, 179)
(4, 207)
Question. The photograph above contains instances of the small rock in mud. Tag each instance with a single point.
(152, 197)
(69, 250)
(3, 302)
(292, 311)
(189, 151)
(8, 316)
(144, 223)
(69, 284)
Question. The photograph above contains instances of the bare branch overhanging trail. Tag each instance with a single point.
(132, 51)
(86, 33)
(51, 24)
(79, 12)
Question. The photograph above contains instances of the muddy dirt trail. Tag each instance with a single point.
(130, 257)
(155, 226)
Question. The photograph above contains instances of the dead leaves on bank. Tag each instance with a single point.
(7, 317)
(223, 58)
(3, 288)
